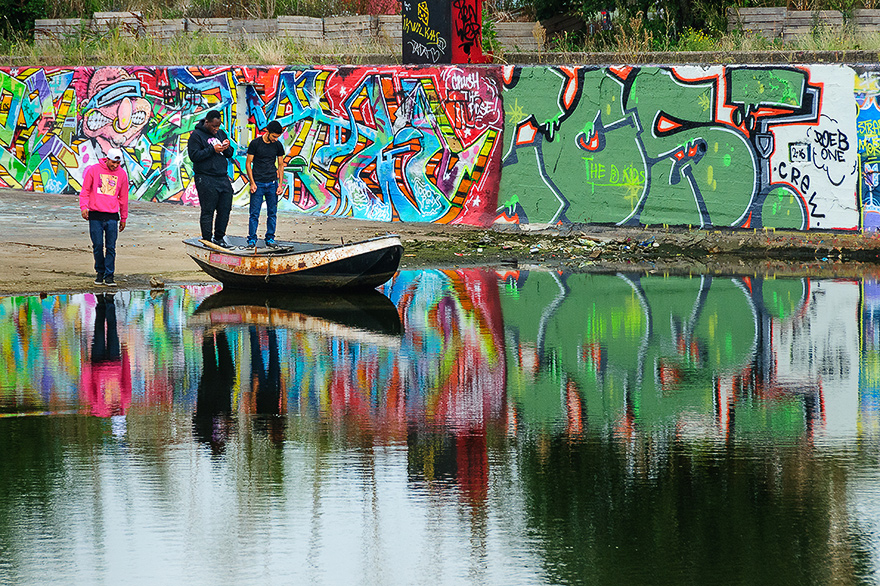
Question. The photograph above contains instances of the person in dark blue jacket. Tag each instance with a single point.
(210, 151)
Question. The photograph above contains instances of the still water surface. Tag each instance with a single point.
(462, 427)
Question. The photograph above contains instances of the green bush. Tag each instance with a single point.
(490, 37)
(696, 40)
(19, 15)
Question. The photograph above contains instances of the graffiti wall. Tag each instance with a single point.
(868, 126)
(381, 143)
(703, 146)
(789, 147)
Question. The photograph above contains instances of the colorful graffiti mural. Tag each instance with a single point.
(705, 146)
(379, 143)
(868, 126)
(735, 146)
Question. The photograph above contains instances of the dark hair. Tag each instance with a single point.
(274, 127)
(212, 115)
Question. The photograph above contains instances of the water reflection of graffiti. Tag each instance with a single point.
(711, 357)
(707, 356)
(715, 146)
(869, 371)
(53, 350)
(375, 143)
(573, 419)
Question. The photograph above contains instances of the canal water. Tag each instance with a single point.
(467, 426)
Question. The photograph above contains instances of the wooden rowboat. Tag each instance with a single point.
(295, 266)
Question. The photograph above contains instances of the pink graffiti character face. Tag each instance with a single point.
(116, 110)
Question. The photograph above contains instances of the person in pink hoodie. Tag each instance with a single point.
(103, 201)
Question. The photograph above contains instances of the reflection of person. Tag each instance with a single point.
(103, 201)
(210, 151)
(267, 373)
(106, 378)
(265, 171)
(266, 381)
(213, 416)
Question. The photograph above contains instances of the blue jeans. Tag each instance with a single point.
(267, 191)
(103, 234)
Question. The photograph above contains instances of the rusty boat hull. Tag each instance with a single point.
(297, 266)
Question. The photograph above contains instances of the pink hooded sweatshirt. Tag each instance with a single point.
(106, 386)
(104, 190)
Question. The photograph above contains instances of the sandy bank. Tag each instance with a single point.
(44, 246)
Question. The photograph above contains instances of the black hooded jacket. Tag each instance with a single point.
(205, 159)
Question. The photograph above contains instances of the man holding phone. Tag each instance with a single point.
(210, 152)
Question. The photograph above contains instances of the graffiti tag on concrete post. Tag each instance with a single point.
(427, 32)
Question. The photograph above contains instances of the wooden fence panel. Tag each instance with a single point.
(349, 29)
(49, 30)
(211, 26)
(253, 29)
(389, 31)
(382, 30)
(520, 36)
(308, 30)
(799, 23)
(164, 29)
(127, 24)
(866, 21)
(767, 22)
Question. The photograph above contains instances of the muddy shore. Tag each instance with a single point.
(45, 248)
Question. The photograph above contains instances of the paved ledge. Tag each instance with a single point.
(54, 253)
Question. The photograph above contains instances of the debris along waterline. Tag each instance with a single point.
(677, 250)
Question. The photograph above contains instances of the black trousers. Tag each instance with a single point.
(215, 196)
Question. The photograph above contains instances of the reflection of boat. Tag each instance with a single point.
(361, 316)
(299, 265)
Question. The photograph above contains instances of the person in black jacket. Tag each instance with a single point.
(209, 151)
(212, 421)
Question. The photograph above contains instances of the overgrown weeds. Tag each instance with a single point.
(114, 48)
(633, 38)
(218, 9)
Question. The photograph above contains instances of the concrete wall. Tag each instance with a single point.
(746, 146)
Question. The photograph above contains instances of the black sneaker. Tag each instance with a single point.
(220, 242)
(271, 244)
(109, 281)
(99, 279)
